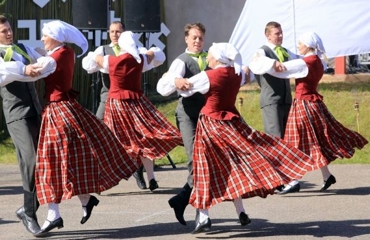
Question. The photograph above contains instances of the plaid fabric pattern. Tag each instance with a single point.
(141, 128)
(77, 154)
(234, 160)
(313, 129)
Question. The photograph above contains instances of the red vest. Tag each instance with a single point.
(306, 88)
(58, 85)
(220, 99)
(125, 77)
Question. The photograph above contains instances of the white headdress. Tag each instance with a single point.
(128, 43)
(64, 32)
(312, 40)
(227, 54)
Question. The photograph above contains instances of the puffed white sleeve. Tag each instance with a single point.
(260, 64)
(166, 84)
(89, 63)
(13, 70)
(200, 84)
(295, 68)
(159, 58)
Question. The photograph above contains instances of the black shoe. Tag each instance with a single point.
(93, 201)
(331, 180)
(30, 223)
(244, 219)
(19, 213)
(279, 189)
(58, 223)
(179, 207)
(290, 189)
(201, 226)
(153, 184)
(138, 175)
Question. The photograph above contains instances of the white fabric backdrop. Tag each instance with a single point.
(343, 25)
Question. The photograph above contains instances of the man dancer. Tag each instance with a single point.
(115, 30)
(189, 63)
(22, 114)
(276, 97)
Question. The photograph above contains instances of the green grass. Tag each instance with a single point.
(7, 150)
(339, 98)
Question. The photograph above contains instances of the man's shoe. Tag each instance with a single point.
(19, 213)
(58, 223)
(244, 219)
(30, 223)
(153, 184)
(93, 201)
(179, 207)
(138, 175)
(331, 180)
(201, 226)
(290, 189)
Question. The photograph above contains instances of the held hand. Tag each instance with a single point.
(99, 60)
(183, 84)
(31, 71)
(279, 67)
(246, 71)
(149, 56)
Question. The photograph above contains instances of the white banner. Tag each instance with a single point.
(343, 25)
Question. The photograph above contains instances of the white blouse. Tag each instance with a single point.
(90, 65)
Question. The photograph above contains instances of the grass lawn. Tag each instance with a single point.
(340, 98)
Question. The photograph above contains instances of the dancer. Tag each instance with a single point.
(189, 63)
(232, 160)
(276, 97)
(115, 30)
(22, 111)
(77, 153)
(141, 128)
(311, 127)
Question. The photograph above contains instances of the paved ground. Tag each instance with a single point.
(125, 212)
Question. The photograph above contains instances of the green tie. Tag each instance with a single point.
(201, 59)
(116, 49)
(9, 53)
(281, 53)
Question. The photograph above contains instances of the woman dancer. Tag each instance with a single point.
(310, 126)
(141, 128)
(232, 160)
(77, 153)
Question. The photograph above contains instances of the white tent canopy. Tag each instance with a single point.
(344, 26)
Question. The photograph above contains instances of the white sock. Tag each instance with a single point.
(53, 214)
(293, 182)
(325, 173)
(203, 215)
(238, 203)
(84, 199)
(149, 167)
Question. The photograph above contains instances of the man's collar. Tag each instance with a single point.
(5, 46)
(271, 45)
(187, 51)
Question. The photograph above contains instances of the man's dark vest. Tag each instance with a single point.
(193, 104)
(107, 50)
(20, 99)
(273, 90)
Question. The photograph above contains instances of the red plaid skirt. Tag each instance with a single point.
(313, 129)
(233, 160)
(141, 128)
(77, 154)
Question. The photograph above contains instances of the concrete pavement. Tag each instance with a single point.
(126, 212)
